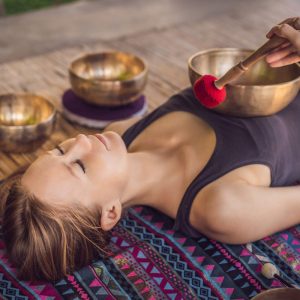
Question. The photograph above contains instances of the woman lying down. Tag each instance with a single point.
(226, 177)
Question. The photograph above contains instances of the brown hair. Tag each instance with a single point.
(46, 242)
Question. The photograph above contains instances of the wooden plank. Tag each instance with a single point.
(46, 30)
(36, 32)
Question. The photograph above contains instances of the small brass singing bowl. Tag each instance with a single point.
(260, 91)
(26, 121)
(108, 78)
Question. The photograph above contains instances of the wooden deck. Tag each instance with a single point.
(166, 50)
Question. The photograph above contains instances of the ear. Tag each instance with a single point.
(110, 215)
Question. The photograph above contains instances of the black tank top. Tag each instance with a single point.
(273, 141)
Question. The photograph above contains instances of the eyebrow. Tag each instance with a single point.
(67, 166)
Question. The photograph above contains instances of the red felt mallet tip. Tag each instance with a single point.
(207, 93)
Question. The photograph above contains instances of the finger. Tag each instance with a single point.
(286, 31)
(286, 44)
(275, 30)
(271, 32)
(274, 56)
(297, 23)
(288, 21)
(291, 59)
(293, 22)
(289, 33)
(282, 46)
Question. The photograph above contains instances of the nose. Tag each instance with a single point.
(80, 147)
(82, 138)
(83, 142)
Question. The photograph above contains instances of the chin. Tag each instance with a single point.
(112, 136)
(115, 138)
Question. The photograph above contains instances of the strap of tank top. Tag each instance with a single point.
(183, 101)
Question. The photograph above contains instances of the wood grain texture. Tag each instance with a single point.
(165, 49)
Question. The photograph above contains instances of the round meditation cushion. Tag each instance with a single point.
(79, 111)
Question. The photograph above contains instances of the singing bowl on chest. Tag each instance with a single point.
(260, 91)
(279, 294)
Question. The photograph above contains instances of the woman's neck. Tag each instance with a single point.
(151, 176)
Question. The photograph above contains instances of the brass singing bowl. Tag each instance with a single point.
(279, 294)
(260, 91)
(109, 78)
(26, 121)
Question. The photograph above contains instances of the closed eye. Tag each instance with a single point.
(77, 161)
(60, 149)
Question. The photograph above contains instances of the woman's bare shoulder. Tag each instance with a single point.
(121, 126)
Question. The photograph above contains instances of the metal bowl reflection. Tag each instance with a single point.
(260, 91)
(279, 294)
(26, 121)
(109, 78)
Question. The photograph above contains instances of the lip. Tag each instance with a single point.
(102, 139)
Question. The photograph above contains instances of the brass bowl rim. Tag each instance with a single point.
(109, 81)
(272, 291)
(51, 116)
(239, 85)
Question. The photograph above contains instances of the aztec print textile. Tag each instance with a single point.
(151, 261)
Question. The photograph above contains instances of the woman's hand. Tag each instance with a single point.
(289, 52)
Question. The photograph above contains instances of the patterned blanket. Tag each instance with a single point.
(151, 261)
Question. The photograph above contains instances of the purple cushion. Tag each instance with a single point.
(77, 110)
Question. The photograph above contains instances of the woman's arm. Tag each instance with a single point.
(121, 126)
(289, 52)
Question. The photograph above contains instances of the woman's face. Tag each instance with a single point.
(88, 169)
